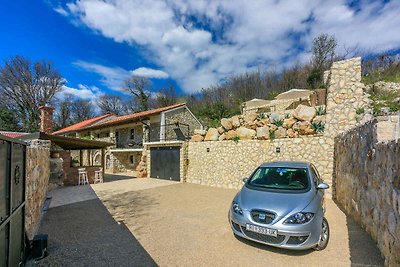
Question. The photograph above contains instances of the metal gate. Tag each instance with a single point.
(12, 202)
(165, 162)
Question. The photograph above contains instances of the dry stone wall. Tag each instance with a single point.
(37, 182)
(345, 94)
(366, 184)
(225, 164)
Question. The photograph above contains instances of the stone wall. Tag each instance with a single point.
(184, 116)
(225, 164)
(345, 94)
(37, 181)
(366, 184)
(382, 86)
(388, 127)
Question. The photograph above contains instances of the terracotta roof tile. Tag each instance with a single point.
(12, 134)
(82, 124)
(134, 116)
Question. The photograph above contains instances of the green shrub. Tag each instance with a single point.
(287, 116)
(272, 135)
(236, 139)
(360, 111)
(320, 110)
(318, 126)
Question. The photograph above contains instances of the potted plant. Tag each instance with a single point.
(75, 163)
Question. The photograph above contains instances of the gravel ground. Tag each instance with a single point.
(173, 224)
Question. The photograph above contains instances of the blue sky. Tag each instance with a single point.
(96, 44)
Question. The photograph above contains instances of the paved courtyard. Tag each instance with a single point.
(148, 222)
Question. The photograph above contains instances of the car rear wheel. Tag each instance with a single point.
(324, 239)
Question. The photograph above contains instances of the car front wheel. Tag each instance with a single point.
(323, 240)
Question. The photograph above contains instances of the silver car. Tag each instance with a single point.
(281, 205)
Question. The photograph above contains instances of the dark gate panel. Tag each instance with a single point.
(165, 162)
(12, 202)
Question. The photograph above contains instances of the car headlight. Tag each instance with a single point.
(236, 208)
(300, 218)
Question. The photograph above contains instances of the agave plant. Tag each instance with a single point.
(278, 122)
(318, 126)
(261, 116)
(320, 110)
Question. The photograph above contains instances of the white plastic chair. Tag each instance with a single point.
(98, 176)
(82, 176)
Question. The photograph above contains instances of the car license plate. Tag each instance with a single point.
(261, 230)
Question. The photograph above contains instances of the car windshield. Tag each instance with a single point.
(280, 178)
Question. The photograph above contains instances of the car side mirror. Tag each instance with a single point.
(323, 186)
(245, 179)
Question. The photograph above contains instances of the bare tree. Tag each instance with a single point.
(26, 87)
(63, 116)
(323, 51)
(82, 110)
(140, 88)
(165, 97)
(111, 104)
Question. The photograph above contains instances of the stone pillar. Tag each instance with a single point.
(345, 94)
(46, 119)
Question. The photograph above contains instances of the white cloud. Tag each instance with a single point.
(83, 92)
(112, 77)
(150, 73)
(60, 10)
(200, 42)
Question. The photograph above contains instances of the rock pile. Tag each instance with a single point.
(303, 121)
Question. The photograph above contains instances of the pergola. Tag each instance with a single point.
(70, 143)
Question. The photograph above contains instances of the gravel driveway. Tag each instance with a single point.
(174, 224)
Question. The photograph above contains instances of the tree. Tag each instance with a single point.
(165, 97)
(82, 110)
(323, 54)
(323, 51)
(63, 116)
(111, 104)
(26, 87)
(140, 88)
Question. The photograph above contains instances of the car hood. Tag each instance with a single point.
(280, 203)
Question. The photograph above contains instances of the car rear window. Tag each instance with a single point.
(278, 178)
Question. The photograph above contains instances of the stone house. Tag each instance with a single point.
(132, 133)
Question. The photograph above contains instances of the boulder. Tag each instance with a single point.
(304, 113)
(222, 137)
(292, 133)
(288, 123)
(235, 121)
(245, 134)
(249, 118)
(212, 135)
(321, 118)
(272, 127)
(263, 132)
(199, 132)
(274, 116)
(221, 130)
(197, 138)
(303, 127)
(227, 124)
(280, 132)
(230, 135)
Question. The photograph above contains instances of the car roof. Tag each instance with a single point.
(289, 164)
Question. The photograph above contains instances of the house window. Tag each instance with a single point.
(132, 160)
(107, 134)
(98, 135)
(132, 133)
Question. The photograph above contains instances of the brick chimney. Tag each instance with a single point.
(46, 119)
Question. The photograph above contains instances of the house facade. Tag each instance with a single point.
(133, 134)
